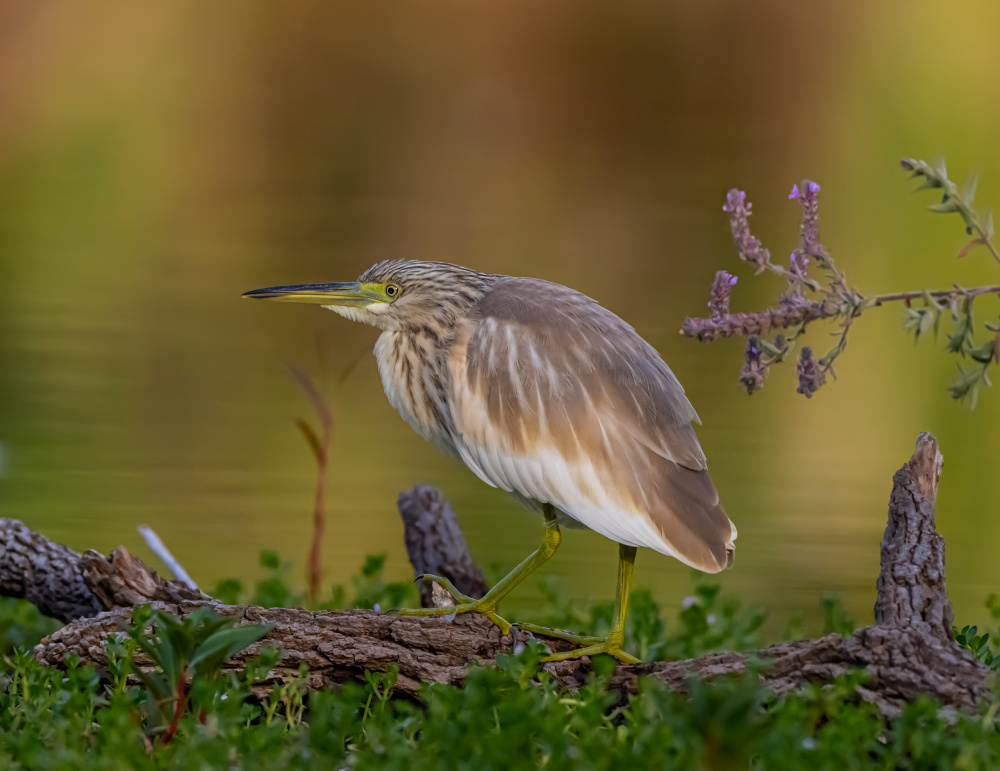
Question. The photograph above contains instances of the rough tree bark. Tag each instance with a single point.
(46, 574)
(908, 652)
(67, 585)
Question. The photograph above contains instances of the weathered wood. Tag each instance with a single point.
(911, 585)
(122, 581)
(46, 574)
(908, 652)
(66, 585)
(436, 546)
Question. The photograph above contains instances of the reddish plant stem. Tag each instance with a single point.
(319, 519)
(320, 446)
(181, 701)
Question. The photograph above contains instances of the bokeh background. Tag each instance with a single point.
(158, 159)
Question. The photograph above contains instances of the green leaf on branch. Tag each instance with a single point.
(969, 190)
(945, 207)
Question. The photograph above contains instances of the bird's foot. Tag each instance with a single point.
(463, 604)
(613, 644)
(559, 634)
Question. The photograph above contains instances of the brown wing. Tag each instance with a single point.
(558, 400)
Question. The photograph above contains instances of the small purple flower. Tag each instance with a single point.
(754, 370)
(808, 197)
(719, 300)
(811, 375)
(749, 247)
(795, 192)
(797, 266)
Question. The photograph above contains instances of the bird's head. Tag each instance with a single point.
(393, 294)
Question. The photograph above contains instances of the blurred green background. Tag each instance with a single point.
(158, 159)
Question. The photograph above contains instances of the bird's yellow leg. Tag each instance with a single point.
(488, 604)
(614, 643)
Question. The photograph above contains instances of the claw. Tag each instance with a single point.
(463, 604)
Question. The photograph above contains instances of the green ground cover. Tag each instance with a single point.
(511, 716)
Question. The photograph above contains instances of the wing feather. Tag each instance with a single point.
(557, 400)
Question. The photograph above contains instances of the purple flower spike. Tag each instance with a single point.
(754, 370)
(808, 196)
(811, 375)
(739, 209)
(719, 302)
(795, 192)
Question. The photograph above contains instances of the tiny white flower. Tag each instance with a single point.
(377, 608)
(688, 602)
(519, 649)
(710, 619)
(808, 743)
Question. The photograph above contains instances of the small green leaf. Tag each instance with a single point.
(941, 170)
(373, 565)
(969, 190)
(866, 303)
(927, 320)
(226, 643)
(984, 353)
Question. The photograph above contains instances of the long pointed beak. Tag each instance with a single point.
(349, 293)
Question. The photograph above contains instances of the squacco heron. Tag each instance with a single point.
(543, 393)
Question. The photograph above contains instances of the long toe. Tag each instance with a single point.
(609, 647)
(473, 606)
(558, 634)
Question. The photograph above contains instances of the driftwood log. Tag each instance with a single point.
(908, 652)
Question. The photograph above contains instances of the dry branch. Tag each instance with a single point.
(46, 574)
(66, 585)
(436, 546)
(908, 652)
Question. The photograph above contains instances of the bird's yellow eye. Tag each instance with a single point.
(393, 290)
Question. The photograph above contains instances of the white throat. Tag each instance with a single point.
(370, 314)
